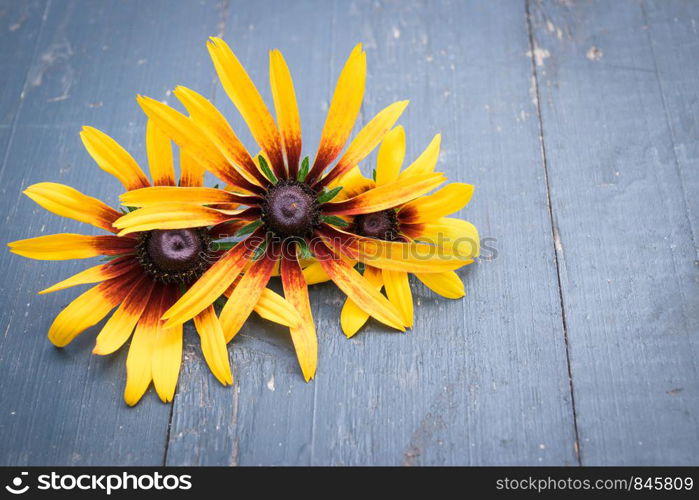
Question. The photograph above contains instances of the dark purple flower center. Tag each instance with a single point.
(290, 209)
(174, 250)
(176, 255)
(380, 225)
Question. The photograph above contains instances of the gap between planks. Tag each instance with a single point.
(555, 237)
(224, 10)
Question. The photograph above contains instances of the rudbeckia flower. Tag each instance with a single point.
(422, 219)
(145, 272)
(290, 215)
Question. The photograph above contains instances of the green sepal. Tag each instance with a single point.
(303, 251)
(109, 258)
(303, 172)
(334, 220)
(248, 228)
(222, 246)
(326, 196)
(266, 170)
(260, 250)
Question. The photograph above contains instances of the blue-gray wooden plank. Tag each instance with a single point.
(478, 381)
(266, 417)
(22, 23)
(91, 59)
(673, 29)
(482, 380)
(612, 104)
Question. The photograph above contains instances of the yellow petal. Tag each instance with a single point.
(184, 131)
(412, 257)
(169, 216)
(139, 362)
(213, 345)
(67, 246)
(352, 317)
(191, 171)
(391, 156)
(189, 136)
(366, 140)
(167, 358)
(398, 292)
(342, 114)
(210, 286)
(287, 110)
(217, 129)
(68, 202)
(172, 194)
(353, 183)
(159, 149)
(303, 335)
(117, 330)
(447, 284)
(273, 307)
(457, 236)
(248, 100)
(449, 199)
(88, 309)
(386, 196)
(245, 296)
(314, 274)
(356, 287)
(95, 274)
(112, 158)
(426, 162)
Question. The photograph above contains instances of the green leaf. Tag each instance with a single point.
(109, 258)
(326, 196)
(216, 186)
(260, 251)
(303, 172)
(303, 251)
(220, 246)
(334, 220)
(266, 170)
(249, 228)
(373, 175)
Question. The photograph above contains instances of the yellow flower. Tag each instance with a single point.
(422, 219)
(290, 214)
(145, 273)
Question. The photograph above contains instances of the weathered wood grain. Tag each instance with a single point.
(22, 23)
(673, 30)
(267, 417)
(91, 58)
(576, 121)
(623, 219)
(477, 381)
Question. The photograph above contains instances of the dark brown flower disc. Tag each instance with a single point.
(290, 209)
(380, 225)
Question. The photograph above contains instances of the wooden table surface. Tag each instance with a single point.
(578, 341)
